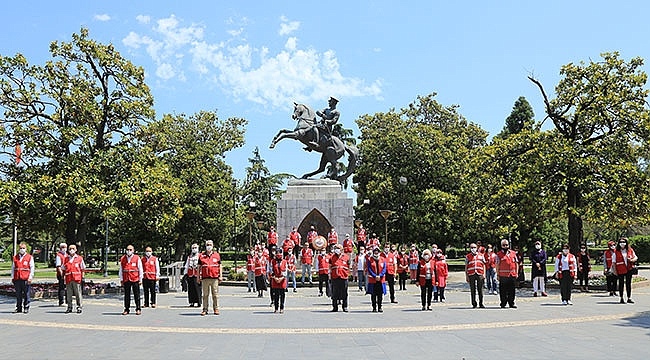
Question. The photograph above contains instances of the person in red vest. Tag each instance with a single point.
(373, 242)
(332, 237)
(475, 274)
(306, 261)
(210, 273)
(296, 238)
(322, 267)
(311, 236)
(566, 270)
(192, 272)
(414, 260)
(507, 271)
(584, 267)
(441, 273)
(376, 268)
(402, 268)
(290, 259)
(348, 247)
(130, 274)
(625, 261)
(151, 274)
(73, 268)
(391, 269)
(609, 268)
(59, 260)
(271, 238)
(250, 271)
(361, 237)
(426, 278)
(22, 273)
(260, 273)
(287, 244)
(339, 274)
(491, 270)
(278, 279)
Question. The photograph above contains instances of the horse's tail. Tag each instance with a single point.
(353, 159)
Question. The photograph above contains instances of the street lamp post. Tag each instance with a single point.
(234, 218)
(106, 251)
(403, 181)
(385, 214)
(260, 224)
(250, 215)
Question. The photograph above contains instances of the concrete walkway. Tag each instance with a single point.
(596, 327)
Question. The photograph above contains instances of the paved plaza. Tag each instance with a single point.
(596, 327)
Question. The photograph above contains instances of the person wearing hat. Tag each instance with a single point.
(339, 273)
(278, 279)
(609, 268)
(210, 273)
(376, 268)
(329, 117)
(538, 269)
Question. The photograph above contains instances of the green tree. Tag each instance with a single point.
(597, 149)
(521, 118)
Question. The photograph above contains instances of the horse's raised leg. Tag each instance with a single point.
(279, 136)
(321, 168)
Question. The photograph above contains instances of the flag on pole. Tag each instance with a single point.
(19, 151)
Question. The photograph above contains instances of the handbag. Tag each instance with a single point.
(634, 270)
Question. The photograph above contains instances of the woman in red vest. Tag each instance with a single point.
(22, 273)
(322, 263)
(441, 273)
(73, 268)
(566, 269)
(376, 268)
(260, 273)
(194, 294)
(625, 261)
(426, 278)
(278, 279)
(609, 268)
(402, 268)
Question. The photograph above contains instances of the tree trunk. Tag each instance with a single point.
(82, 229)
(574, 219)
(71, 224)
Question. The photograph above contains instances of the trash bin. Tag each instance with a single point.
(163, 285)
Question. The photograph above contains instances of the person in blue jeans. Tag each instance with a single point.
(490, 270)
(361, 267)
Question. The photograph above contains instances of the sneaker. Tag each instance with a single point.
(429, 308)
(345, 309)
(569, 302)
(380, 310)
(138, 312)
(534, 294)
(564, 302)
(393, 302)
(423, 308)
(622, 301)
(513, 306)
(216, 311)
(125, 312)
(481, 306)
(282, 311)
(67, 311)
(630, 301)
(78, 310)
(294, 290)
(443, 300)
(26, 311)
(544, 294)
(204, 313)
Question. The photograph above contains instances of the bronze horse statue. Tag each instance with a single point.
(331, 148)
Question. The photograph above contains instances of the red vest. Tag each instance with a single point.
(332, 238)
(278, 267)
(490, 260)
(272, 238)
(287, 245)
(371, 264)
(260, 265)
(572, 265)
(311, 236)
(306, 256)
(361, 237)
(422, 279)
(391, 262)
(507, 263)
(295, 238)
(192, 271)
(621, 267)
(608, 258)
(372, 243)
(21, 267)
(149, 267)
(441, 273)
(210, 265)
(323, 264)
(348, 246)
(291, 262)
(130, 271)
(339, 266)
(475, 264)
(73, 270)
(250, 263)
(402, 263)
(61, 257)
(414, 257)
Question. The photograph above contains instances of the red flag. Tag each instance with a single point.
(19, 151)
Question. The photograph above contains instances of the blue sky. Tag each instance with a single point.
(253, 59)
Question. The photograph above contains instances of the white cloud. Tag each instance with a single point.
(143, 19)
(244, 71)
(102, 17)
(287, 27)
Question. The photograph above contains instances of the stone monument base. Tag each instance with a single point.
(320, 203)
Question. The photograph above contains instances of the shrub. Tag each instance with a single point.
(641, 246)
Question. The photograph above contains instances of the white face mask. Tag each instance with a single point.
(613, 247)
(538, 246)
(473, 250)
(22, 251)
(427, 257)
(386, 250)
(147, 253)
(72, 251)
(622, 245)
(63, 250)
(565, 251)
(129, 252)
(376, 256)
(195, 250)
(337, 251)
(208, 247)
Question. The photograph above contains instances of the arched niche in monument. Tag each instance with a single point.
(318, 220)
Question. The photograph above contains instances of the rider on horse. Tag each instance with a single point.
(330, 116)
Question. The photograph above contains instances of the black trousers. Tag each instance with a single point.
(149, 287)
(566, 284)
(377, 295)
(507, 291)
(128, 287)
(402, 280)
(426, 292)
(611, 283)
(476, 283)
(278, 298)
(339, 292)
(61, 289)
(23, 295)
(627, 279)
(583, 277)
(322, 280)
(390, 279)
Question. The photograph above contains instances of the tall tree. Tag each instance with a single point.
(599, 142)
(521, 118)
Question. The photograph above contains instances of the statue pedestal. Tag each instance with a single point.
(319, 203)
